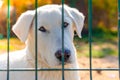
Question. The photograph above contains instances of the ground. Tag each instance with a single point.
(106, 62)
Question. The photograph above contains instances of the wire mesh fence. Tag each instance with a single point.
(90, 69)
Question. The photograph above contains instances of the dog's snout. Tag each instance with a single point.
(66, 55)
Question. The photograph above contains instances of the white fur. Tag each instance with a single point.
(48, 43)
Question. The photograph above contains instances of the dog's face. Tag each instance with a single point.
(49, 32)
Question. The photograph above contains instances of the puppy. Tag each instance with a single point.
(49, 37)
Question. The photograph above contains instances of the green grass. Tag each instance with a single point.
(104, 43)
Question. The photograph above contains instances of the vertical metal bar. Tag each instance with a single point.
(8, 37)
(119, 35)
(90, 34)
(36, 48)
(63, 40)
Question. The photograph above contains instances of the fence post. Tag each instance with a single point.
(90, 34)
(36, 46)
(119, 35)
(8, 37)
(62, 40)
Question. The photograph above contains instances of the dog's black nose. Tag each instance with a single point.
(66, 53)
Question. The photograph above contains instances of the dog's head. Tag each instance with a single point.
(49, 32)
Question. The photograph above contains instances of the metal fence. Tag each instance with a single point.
(90, 69)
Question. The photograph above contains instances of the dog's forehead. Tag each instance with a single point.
(50, 16)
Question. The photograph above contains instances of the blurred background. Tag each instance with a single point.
(104, 32)
(105, 22)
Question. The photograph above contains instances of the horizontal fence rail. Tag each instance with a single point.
(82, 69)
(36, 69)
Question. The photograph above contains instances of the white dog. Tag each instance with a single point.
(49, 44)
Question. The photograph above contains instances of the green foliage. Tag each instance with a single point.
(1, 36)
(102, 52)
(105, 13)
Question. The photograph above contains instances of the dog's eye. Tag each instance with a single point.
(65, 24)
(42, 29)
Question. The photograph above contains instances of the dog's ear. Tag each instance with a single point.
(22, 26)
(77, 17)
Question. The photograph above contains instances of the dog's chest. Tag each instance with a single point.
(18, 61)
(46, 75)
